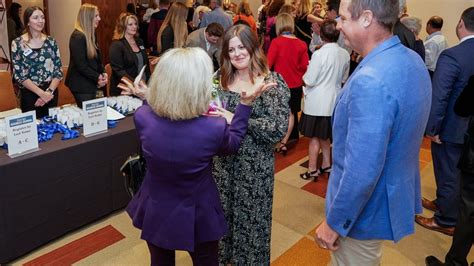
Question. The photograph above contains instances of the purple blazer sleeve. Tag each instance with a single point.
(235, 132)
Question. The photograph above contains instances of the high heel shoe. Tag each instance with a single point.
(308, 175)
(325, 170)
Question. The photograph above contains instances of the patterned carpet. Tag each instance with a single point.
(297, 210)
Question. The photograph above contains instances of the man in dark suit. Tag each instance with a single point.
(209, 39)
(155, 24)
(446, 129)
(464, 233)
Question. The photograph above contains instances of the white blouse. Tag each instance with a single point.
(328, 68)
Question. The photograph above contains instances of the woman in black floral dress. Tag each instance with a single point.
(36, 65)
(245, 180)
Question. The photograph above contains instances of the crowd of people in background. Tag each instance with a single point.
(371, 88)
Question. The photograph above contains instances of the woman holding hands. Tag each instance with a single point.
(36, 65)
(86, 72)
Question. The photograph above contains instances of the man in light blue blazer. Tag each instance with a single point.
(378, 124)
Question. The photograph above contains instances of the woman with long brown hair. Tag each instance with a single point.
(86, 72)
(246, 180)
(36, 65)
(174, 30)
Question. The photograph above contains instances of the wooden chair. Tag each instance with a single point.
(108, 70)
(65, 95)
(7, 95)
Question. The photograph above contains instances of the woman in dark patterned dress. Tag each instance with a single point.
(245, 180)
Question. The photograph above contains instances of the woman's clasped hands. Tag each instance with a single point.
(44, 98)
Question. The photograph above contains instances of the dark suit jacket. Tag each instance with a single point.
(465, 108)
(178, 204)
(155, 24)
(453, 70)
(406, 36)
(83, 73)
(167, 39)
(464, 104)
(124, 62)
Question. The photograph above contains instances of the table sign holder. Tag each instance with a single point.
(95, 117)
(22, 134)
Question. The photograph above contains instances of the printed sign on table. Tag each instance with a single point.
(95, 116)
(22, 134)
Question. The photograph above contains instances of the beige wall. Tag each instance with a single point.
(62, 16)
(449, 10)
(27, 3)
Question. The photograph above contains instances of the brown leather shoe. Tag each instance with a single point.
(428, 204)
(430, 223)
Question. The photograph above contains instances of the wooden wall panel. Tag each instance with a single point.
(109, 12)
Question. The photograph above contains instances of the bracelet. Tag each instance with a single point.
(50, 90)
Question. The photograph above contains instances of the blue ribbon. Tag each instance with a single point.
(46, 131)
(49, 127)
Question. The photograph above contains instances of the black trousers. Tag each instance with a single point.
(205, 254)
(295, 107)
(29, 98)
(81, 97)
(464, 232)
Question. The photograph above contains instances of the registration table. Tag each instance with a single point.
(61, 187)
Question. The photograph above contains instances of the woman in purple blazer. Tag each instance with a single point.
(178, 205)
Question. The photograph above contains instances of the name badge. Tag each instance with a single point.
(27, 52)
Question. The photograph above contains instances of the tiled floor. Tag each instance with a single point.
(298, 209)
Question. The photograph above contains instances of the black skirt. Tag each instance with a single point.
(295, 99)
(315, 126)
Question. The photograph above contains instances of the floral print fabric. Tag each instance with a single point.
(38, 65)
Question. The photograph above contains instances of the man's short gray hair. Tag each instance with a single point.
(412, 23)
(385, 11)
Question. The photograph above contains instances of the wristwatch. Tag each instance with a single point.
(50, 90)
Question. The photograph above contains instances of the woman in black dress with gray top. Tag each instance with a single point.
(127, 53)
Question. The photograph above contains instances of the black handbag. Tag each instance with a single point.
(134, 170)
